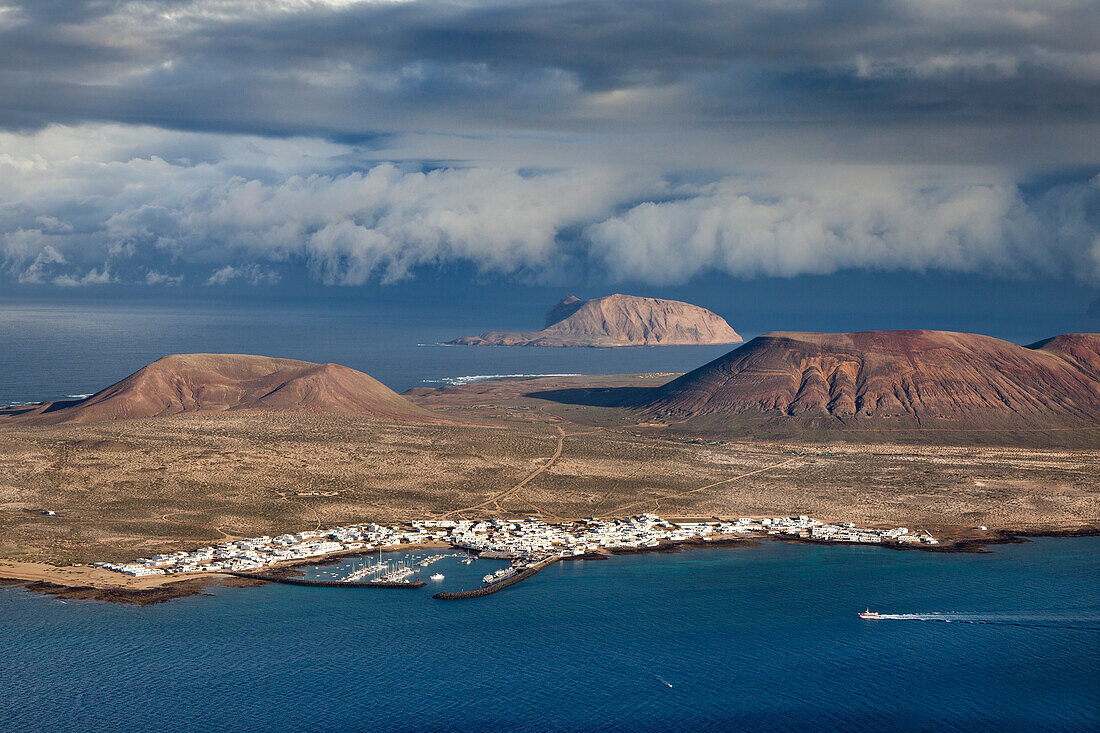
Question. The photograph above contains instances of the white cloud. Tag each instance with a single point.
(251, 274)
(115, 210)
(854, 218)
(44, 256)
(152, 277)
(91, 277)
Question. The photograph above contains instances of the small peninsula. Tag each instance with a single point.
(617, 320)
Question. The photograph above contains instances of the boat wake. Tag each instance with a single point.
(1038, 621)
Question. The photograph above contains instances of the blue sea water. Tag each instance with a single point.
(52, 350)
(763, 638)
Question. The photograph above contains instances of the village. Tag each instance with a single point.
(523, 542)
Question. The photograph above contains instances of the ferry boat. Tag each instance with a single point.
(869, 614)
(437, 576)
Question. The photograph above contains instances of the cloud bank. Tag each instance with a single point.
(221, 142)
(244, 210)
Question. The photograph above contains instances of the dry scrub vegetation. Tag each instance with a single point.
(132, 488)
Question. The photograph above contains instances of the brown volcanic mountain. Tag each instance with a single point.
(220, 382)
(618, 320)
(905, 378)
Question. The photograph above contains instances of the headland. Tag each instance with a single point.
(616, 321)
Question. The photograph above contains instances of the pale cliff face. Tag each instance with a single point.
(618, 320)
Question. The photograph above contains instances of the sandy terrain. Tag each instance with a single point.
(130, 488)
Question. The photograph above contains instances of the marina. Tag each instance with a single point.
(368, 570)
(272, 578)
(500, 580)
(527, 545)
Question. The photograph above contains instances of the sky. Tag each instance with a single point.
(739, 152)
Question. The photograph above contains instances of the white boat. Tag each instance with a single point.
(869, 614)
(437, 576)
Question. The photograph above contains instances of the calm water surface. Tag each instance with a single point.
(53, 350)
(764, 638)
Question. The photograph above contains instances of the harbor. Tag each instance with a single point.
(526, 545)
(500, 580)
(289, 580)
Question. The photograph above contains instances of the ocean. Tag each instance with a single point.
(762, 638)
(55, 350)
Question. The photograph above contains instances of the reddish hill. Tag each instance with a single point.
(618, 320)
(220, 382)
(1081, 349)
(908, 378)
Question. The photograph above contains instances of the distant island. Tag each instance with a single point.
(617, 320)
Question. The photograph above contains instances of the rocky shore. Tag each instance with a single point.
(133, 596)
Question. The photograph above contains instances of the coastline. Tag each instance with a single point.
(89, 583)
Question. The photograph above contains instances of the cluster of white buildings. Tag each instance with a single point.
(532, 537)
(812, 529)
(243, 555)
(520, 540)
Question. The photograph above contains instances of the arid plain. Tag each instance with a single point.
(128, 488)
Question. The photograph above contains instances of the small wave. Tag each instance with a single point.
(467, 379)
(80, 396)
(1033, 620)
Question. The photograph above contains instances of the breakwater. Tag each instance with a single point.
(500, 585)
(328, 583)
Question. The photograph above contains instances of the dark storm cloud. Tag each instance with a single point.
(349, 69)
(643, 140)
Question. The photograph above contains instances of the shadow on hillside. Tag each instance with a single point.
(596, 397)
(61, 405)
(39, 408)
